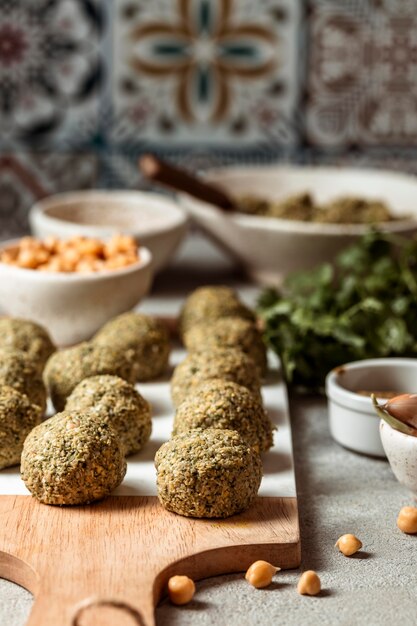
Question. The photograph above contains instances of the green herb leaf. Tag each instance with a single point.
(365, 308)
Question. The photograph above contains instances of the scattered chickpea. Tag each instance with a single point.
(309, 584)
(181, 589)
(348, 544)
(260, 574)
(407, 520)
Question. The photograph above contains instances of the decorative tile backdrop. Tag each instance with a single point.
(362, 79)
(86, 86)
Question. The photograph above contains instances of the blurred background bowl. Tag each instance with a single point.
(73, 306)
(154, 220)
(270, 248)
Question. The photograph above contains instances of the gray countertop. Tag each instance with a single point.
(338, 492)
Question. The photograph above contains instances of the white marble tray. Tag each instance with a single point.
(278, 479)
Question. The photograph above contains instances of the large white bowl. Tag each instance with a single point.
(154, 220)
(354, 422)
(270, 248)
(73, 306)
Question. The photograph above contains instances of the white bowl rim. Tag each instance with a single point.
(145, 260)
(339, 394)
(296, 226)
(178, 217)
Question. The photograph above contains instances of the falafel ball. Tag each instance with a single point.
(72, 458)
(207, 473)
(221, 363)
(17, 418)
(115, 401)
(18, 370)
(229, 332)
(66, 368)
(145, 336)
(28, 337)
(210, 303)
(226, 405)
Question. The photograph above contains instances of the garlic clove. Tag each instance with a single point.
(403, 408)
(392, 421)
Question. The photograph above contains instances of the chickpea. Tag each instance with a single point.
(260, 574)
(51, 243)
(27, 259)
(61, 246)
(348, 544)
(118, 261)
(72, 255)
(407, 520)
(309, 584)
(42, 256)
(8, 257)
(69, 260)
(90, 247)
(181, 589)
(28, 243)
(119, 243)
(86, 266)
(55, 265)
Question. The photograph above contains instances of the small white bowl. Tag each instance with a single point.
(271, 248)
(353, 420)
(73, 306)
(154, 220)
(401, 450)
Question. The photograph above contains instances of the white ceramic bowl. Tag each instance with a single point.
(353, 420)
(154, 220)
(73, 306)
(401, 450)
(270, 248)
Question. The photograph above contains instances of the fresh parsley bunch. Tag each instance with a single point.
(364, 306)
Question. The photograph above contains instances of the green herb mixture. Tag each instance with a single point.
(364, 307)
(303, 207)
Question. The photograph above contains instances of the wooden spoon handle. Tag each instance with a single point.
(175, 178)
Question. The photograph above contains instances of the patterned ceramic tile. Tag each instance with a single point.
(362, 82)
(24, 178)
(205, 72)
(202, 83)
(50, 69)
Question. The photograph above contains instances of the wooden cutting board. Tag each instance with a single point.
(108, 563)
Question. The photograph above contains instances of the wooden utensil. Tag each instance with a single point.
(180, 180)
(120, 553)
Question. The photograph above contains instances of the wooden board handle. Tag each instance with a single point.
(101, 602)
(109, 563)
(56, 606)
